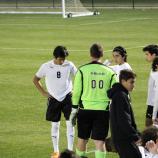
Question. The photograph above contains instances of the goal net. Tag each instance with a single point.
(74, 8)
(67, 8)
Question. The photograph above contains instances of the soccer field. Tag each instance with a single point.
(27, 41)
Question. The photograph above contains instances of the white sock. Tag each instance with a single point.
(55, 135)
(70, 135)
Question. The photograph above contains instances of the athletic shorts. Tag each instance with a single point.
(149, 112)
(93, 123)
(55, 108)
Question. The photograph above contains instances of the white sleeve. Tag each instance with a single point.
(130, 67)
(41, 72)
(73, 69)
(154, 155)
(155, 105)
(151, 84)
(126, 66)
(141, 149)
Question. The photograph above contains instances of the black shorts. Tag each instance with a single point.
(93, 123)
(55, 108)
(149, 112)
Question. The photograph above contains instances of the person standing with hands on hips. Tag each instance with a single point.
(57, 74)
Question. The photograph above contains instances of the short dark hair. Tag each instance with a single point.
(96, 50)
(150, 133)
(155, 64)
(68, 154)
(122, 51)
(126, 75)
(152, 49)
(60, 51)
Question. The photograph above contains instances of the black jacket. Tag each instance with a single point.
(122, 123)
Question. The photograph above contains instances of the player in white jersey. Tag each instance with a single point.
(151, 51)
(57, 74)
(120, 59)
(155, 78)
(149, 143)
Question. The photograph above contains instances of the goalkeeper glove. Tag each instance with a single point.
(73, 116)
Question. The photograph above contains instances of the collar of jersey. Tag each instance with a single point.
(96, 62)
(64, 64)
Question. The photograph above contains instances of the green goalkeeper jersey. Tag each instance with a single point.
(90, 86)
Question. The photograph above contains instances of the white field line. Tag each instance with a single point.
(40, 49)
(128, 48)
(116, 21)
(24, 49)
(85, 24)
(33, 25)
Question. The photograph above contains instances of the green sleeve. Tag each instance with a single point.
(77, 89)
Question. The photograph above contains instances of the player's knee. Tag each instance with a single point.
(100, 145)
(55, 128)
(70, 128)
(148, 122)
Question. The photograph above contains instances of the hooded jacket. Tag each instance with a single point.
(122, 123)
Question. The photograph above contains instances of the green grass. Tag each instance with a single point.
(27, 41)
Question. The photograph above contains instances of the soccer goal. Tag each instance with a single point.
(67, 8)
(75, 8)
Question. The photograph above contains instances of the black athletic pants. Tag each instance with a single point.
(127, 150)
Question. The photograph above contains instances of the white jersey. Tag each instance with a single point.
(118, 68)
(57, 78)
(146, 154)
(154, 76)
(151, 90)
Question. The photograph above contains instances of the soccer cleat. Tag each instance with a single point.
(55, 155)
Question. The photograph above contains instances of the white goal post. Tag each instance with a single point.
(75, 8)
(67, 8)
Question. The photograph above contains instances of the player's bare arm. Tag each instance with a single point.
(39, 86)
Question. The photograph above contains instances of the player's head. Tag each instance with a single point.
(151, 51)
(150, 133)
(127, 79)
(119, 55)
(68, 154)
(96, 51)
(155, 64)
(60, 53)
